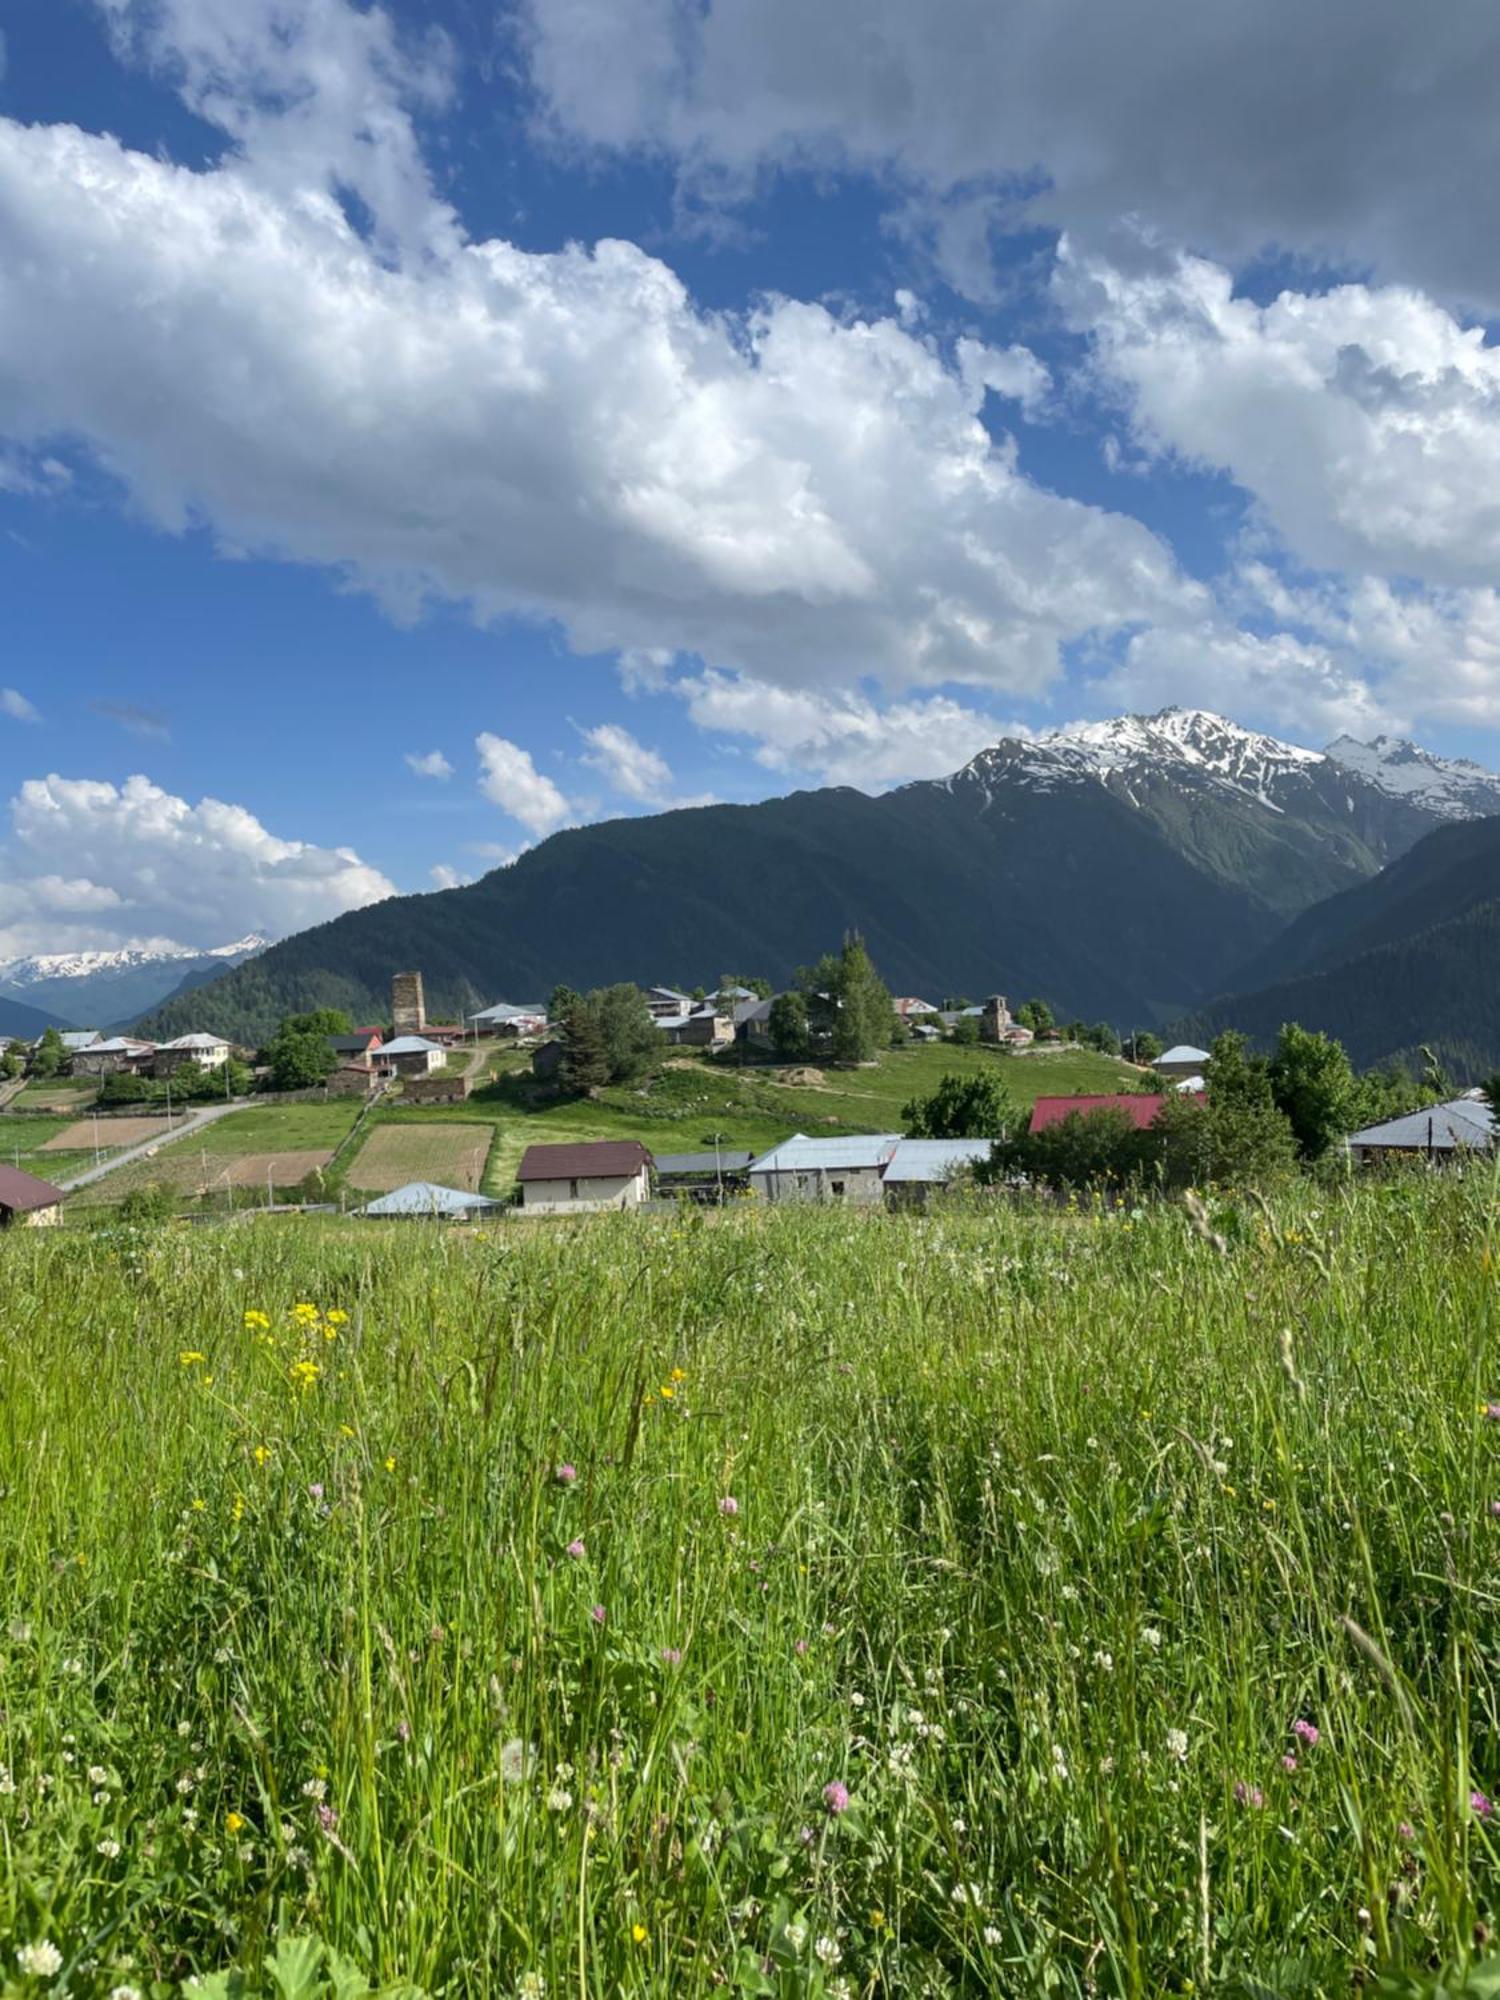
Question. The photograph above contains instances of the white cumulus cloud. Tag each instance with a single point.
(512, 781)
(90, 865)
(429, 764)
(630, 768)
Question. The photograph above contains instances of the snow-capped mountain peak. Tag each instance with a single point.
(33, 969)
(1448, 787)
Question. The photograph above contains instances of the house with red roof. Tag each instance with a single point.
(1140, 1107)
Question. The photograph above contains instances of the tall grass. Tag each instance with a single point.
(1033, 1537)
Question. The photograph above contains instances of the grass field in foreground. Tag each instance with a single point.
(778, 1602)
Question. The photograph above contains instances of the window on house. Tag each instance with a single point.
(836, 1188)
(572, 1190)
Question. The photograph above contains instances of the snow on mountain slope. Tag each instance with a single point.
(16, 974)
(1448, 787)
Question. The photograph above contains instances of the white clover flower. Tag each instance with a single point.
(1177, 1744)
(41, 1960)
(515, 1761)
(184, 1729)
(315, 1788)
(1104, 1661)
(967, 1895)
(828, 1951)
(125, 1993)
(98, 1775)
(531, 1986)
(559, 1799)
(796, 1936)
(1151, 1637)
(20, 1631)
(7, 1783)
(992, 1934)
(109, 1848)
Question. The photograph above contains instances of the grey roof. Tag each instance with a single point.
(197, 1042)
(702, 1163)
(74, 1039)
(751, 1010)
(668, 993)
(119, 1045)
(733, 993)
(503, 1011)
(1462, 1121)
(935, 1160)
(408, 1045)
(1183, 1053)
(801, 1154)
(427, 1198)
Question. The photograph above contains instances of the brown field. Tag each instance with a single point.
(249, 1169)
(452, 1155)
(79, 1137)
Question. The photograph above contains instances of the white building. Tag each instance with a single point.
(409, 1055)
(1184, 1060)
(802, 1169)
(583, 1178)
(530, 1018)
(207, 1051)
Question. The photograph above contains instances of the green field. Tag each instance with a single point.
(976, 1603)
(678, 1109)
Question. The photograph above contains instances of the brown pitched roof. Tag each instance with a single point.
(20, 1191)
(590, 1159)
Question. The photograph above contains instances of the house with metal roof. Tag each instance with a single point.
(203, 1051)
(1460, 1128)
(1183, 1060)
(706, 1176)
(843, 1169)
(583, 1178)
(920, 1165)
(112, 1056)
(1139, 1107)
(697, 1028)
(528, 1018)
(409, 1055)
(666, 1000)
(427, 1198)
(26, 1202)
(76, 1039)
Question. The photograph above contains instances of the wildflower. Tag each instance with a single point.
(42, 1960)
(515, 1760)
(98, 1775)
(304, 1374)
(531, 1986)
(390, 1463)
(559, 1799)
(315, 1788)
(1288, 1762)
(328, 1819)
(1406, 1831)
(827, 1951)
(315, 1491)
(109, 1848)
(565, 1474)
(836, 1797)
(1248, 1795)
(800, 1648)
(1177, 1744)
(796, 1936)
(1305, 1731)
(305, 1315)
(338, 1317)
(729, 1505)
(191, 1358)
(1490, 1412)
(234, 1823)
(966, 1894)
(598, 1614)
(991, 1934)
(1495, 1509)
(262, 1454)
(124, 1993)
(666, 1392)
(576, 1549)
(7, 1783)
(877, 1920)
(1151, 1637)
(671, 1656)
(256, 1321)
(638, 1933)
(1104, 1661)
(679, 1374)
(1483, 1808)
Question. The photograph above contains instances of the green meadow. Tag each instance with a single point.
(1083, 1602)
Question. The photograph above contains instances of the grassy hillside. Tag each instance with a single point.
(984, 1603)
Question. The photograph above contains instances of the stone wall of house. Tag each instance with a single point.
(435, 1089)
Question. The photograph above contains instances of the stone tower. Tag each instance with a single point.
(408, 1008)
(995, 1019)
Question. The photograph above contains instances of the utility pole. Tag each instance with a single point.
(718, 1164)
(269, 1165)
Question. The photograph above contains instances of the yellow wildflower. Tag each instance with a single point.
(338, 1317)
(390, 1464)
(305, 1373)
(877, 1920)
(237, 1509)
(667, 1392)
(262, 1454)
(200, 1506)
(305, 1314)
(254, 1319)
(235, 1823)
(638, 1932)
(679, 1374)
(191, 1358)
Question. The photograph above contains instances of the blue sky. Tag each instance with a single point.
(423, 428)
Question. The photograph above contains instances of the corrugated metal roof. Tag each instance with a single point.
(1140, 1109)
(197, 1042)
(118, 1045)
(937, 1160)
(702, 1163)
(427, 1198)
(1462, 1121)
(801, 1154)
(1183, 1053)
(23, 1192)
(407, 1045)
(588, 1159)
(503, 1011)
(74, 1039)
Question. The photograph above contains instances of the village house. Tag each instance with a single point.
(204, 1051)
(844, 1169)
(357, 1046)
(427, 1200)
(582, 1178)
(918, 1166)
(113, 1057)
(700, 1029)
(911, 1010)
(28, 1203)
(662, 1001)
(702, 1176)
(752, 1023)
(76, 1040)
(547, 1061)
(1140, 1107)
(356, 1079)
(505, 1019)
(1182, 1061)
(409, 1055)
(1441, 1133)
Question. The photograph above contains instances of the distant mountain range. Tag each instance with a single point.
(1406, 961)
(106, 989)
(1128, 870)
